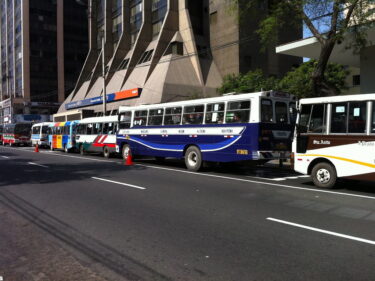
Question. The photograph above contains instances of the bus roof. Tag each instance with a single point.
(343, 98)
(102, 119)
(211, 100)
(43, 124)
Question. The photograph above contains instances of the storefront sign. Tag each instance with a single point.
(127, 94)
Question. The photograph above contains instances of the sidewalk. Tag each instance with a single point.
(28, 255)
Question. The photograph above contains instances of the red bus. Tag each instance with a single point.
(17, 134)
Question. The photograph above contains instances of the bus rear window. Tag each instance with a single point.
(266, 110)
(36, 130)
(281, 111)
(22, 129)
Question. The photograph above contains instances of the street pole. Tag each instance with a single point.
(103, 74)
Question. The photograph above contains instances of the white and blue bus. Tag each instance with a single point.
(39, 134)
(243, 127)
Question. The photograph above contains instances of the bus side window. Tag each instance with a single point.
(125, 119)
(357, 117)
(304, 118)
(173, 116)
(97, 129)
(155, 117)
(215, 113)
(339, 118)
(89, 129)
(238, 112)
(105, 128)
(373, 118)
(317, 122)
(140, 118)
(193, 114)
(266, 110)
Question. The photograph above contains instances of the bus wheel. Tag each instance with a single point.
(126, 151)
(106, 152)
(193, 158)
(81, 150)
(324, 175)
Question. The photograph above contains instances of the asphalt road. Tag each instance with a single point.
(156, 221)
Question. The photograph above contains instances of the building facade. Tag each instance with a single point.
(43, 46)
(167, 50)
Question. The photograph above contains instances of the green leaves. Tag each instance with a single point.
(297, 82)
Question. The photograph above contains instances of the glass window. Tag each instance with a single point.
(266, 110)
(140, 118)
(155, 117)
(105, 128)
(293, 112)
(193, 114)
(215, 113)
(97, 129)
(36, 130)
(173, 116)
(281, 111)
(304, 118)
(125, 120)
(317, 122)
(357, 117)
(339, 118)
(238, 112)
(45, 130)
(89, 129)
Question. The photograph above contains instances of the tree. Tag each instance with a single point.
(252, 81)
(297, 82)
(329, 21)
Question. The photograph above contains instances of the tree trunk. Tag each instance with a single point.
(320, 86)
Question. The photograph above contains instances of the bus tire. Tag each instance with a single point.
(193, 158)
(324, 175)
(106, 152)
(81, 150)
(126, 151)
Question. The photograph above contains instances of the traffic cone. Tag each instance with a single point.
(129, 160)
(36, 148)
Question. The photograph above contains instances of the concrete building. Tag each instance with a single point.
(167, 50)
(43, 46)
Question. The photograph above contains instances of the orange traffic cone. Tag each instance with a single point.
(129, 160)
(36, 148)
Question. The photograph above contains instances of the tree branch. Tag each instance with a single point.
(335, 15)
(312, 28)
(350, 12)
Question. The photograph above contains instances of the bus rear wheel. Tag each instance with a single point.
(193, 158)
(324, 175)
(106, 152)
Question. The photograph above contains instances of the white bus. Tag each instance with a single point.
(335, 138)
(245, 127)
(39, 134)
(97, 134)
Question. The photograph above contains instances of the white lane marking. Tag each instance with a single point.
(120, 183)
(324, 231)
(280, 179)
(6, 157)
(262, 182)
(230, 178)
(78, 157)
(35, 164)
(62, 155)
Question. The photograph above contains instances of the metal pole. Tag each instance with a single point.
(103, 74)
